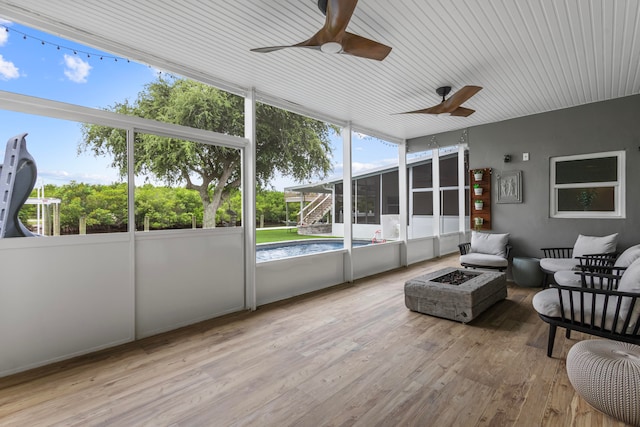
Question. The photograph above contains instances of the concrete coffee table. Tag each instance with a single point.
(462, 302)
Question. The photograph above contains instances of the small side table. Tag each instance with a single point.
(526, 272)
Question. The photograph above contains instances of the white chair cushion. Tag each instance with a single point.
(484, 260)
(630, 282)
(586, 245)
(489, 243)
(558, 264)
(567, 278)
(628, 257)
(547, 303)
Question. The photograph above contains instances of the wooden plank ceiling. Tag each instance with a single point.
(530, 56)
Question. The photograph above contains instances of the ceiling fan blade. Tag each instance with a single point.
(268, 49)
(431, 110)
(274, 48)
(462, 112)
(339, 14)
(459, 97)
(353, 44)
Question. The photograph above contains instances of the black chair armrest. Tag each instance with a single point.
(598, 259)
(602, 280)
(597, 322)
(557, 252)
(464, 248)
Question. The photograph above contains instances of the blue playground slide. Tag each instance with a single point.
(18, 176)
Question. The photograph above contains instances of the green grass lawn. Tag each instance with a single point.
(281, 235)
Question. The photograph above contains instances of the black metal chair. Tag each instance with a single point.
(596, 308)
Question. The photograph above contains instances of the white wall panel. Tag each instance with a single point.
(420, 249)
(372, 259)
(281, 279)
(61, 297)
(449, 243)
(183, 277)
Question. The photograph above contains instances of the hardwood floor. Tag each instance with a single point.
(350, 355)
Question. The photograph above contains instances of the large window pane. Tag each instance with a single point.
(79, 189)
(588, 186)
(604, 169)
(587, 199)
(185, 184)
(375, 188)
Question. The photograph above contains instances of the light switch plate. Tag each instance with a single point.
(525, 157)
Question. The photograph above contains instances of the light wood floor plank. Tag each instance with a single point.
(352, 355)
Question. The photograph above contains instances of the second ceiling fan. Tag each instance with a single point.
(333, 37)
(451, 106)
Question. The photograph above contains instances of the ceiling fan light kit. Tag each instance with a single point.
(331, 47)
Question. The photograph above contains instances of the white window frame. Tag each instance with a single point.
(618, 188)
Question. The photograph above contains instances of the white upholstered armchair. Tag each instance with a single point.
(486, 250)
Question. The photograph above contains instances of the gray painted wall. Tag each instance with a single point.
(604, 126)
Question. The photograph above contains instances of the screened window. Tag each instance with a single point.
(588, 186)
(339, 213)
(174, 191)
(422, 177)
(390, 194)
(423, 203)
(366, 200)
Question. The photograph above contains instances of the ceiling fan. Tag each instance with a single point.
(451, 106)
(333, 37)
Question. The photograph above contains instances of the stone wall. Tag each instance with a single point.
(315, 229)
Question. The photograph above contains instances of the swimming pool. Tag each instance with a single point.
(271, 251)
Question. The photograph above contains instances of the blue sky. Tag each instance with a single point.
(42, 65)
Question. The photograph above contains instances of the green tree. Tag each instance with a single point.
(287, 143)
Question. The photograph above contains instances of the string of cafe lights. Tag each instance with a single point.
(59, 46)
(77, 52)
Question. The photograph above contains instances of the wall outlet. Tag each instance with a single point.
(525, 157)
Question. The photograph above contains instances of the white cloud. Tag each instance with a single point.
(4, 34)
(76, 69)
(61, 177)
(8, 70)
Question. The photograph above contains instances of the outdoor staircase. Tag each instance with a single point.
(316, 210)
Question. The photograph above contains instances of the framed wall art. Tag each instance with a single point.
(509, 187)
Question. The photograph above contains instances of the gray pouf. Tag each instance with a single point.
(607, 375)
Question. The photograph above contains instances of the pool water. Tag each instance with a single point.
(290, 249)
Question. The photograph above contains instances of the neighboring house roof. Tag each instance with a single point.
(326, 186)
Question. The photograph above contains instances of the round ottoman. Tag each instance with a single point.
(607, 375)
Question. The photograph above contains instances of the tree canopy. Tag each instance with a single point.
(286, 143)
